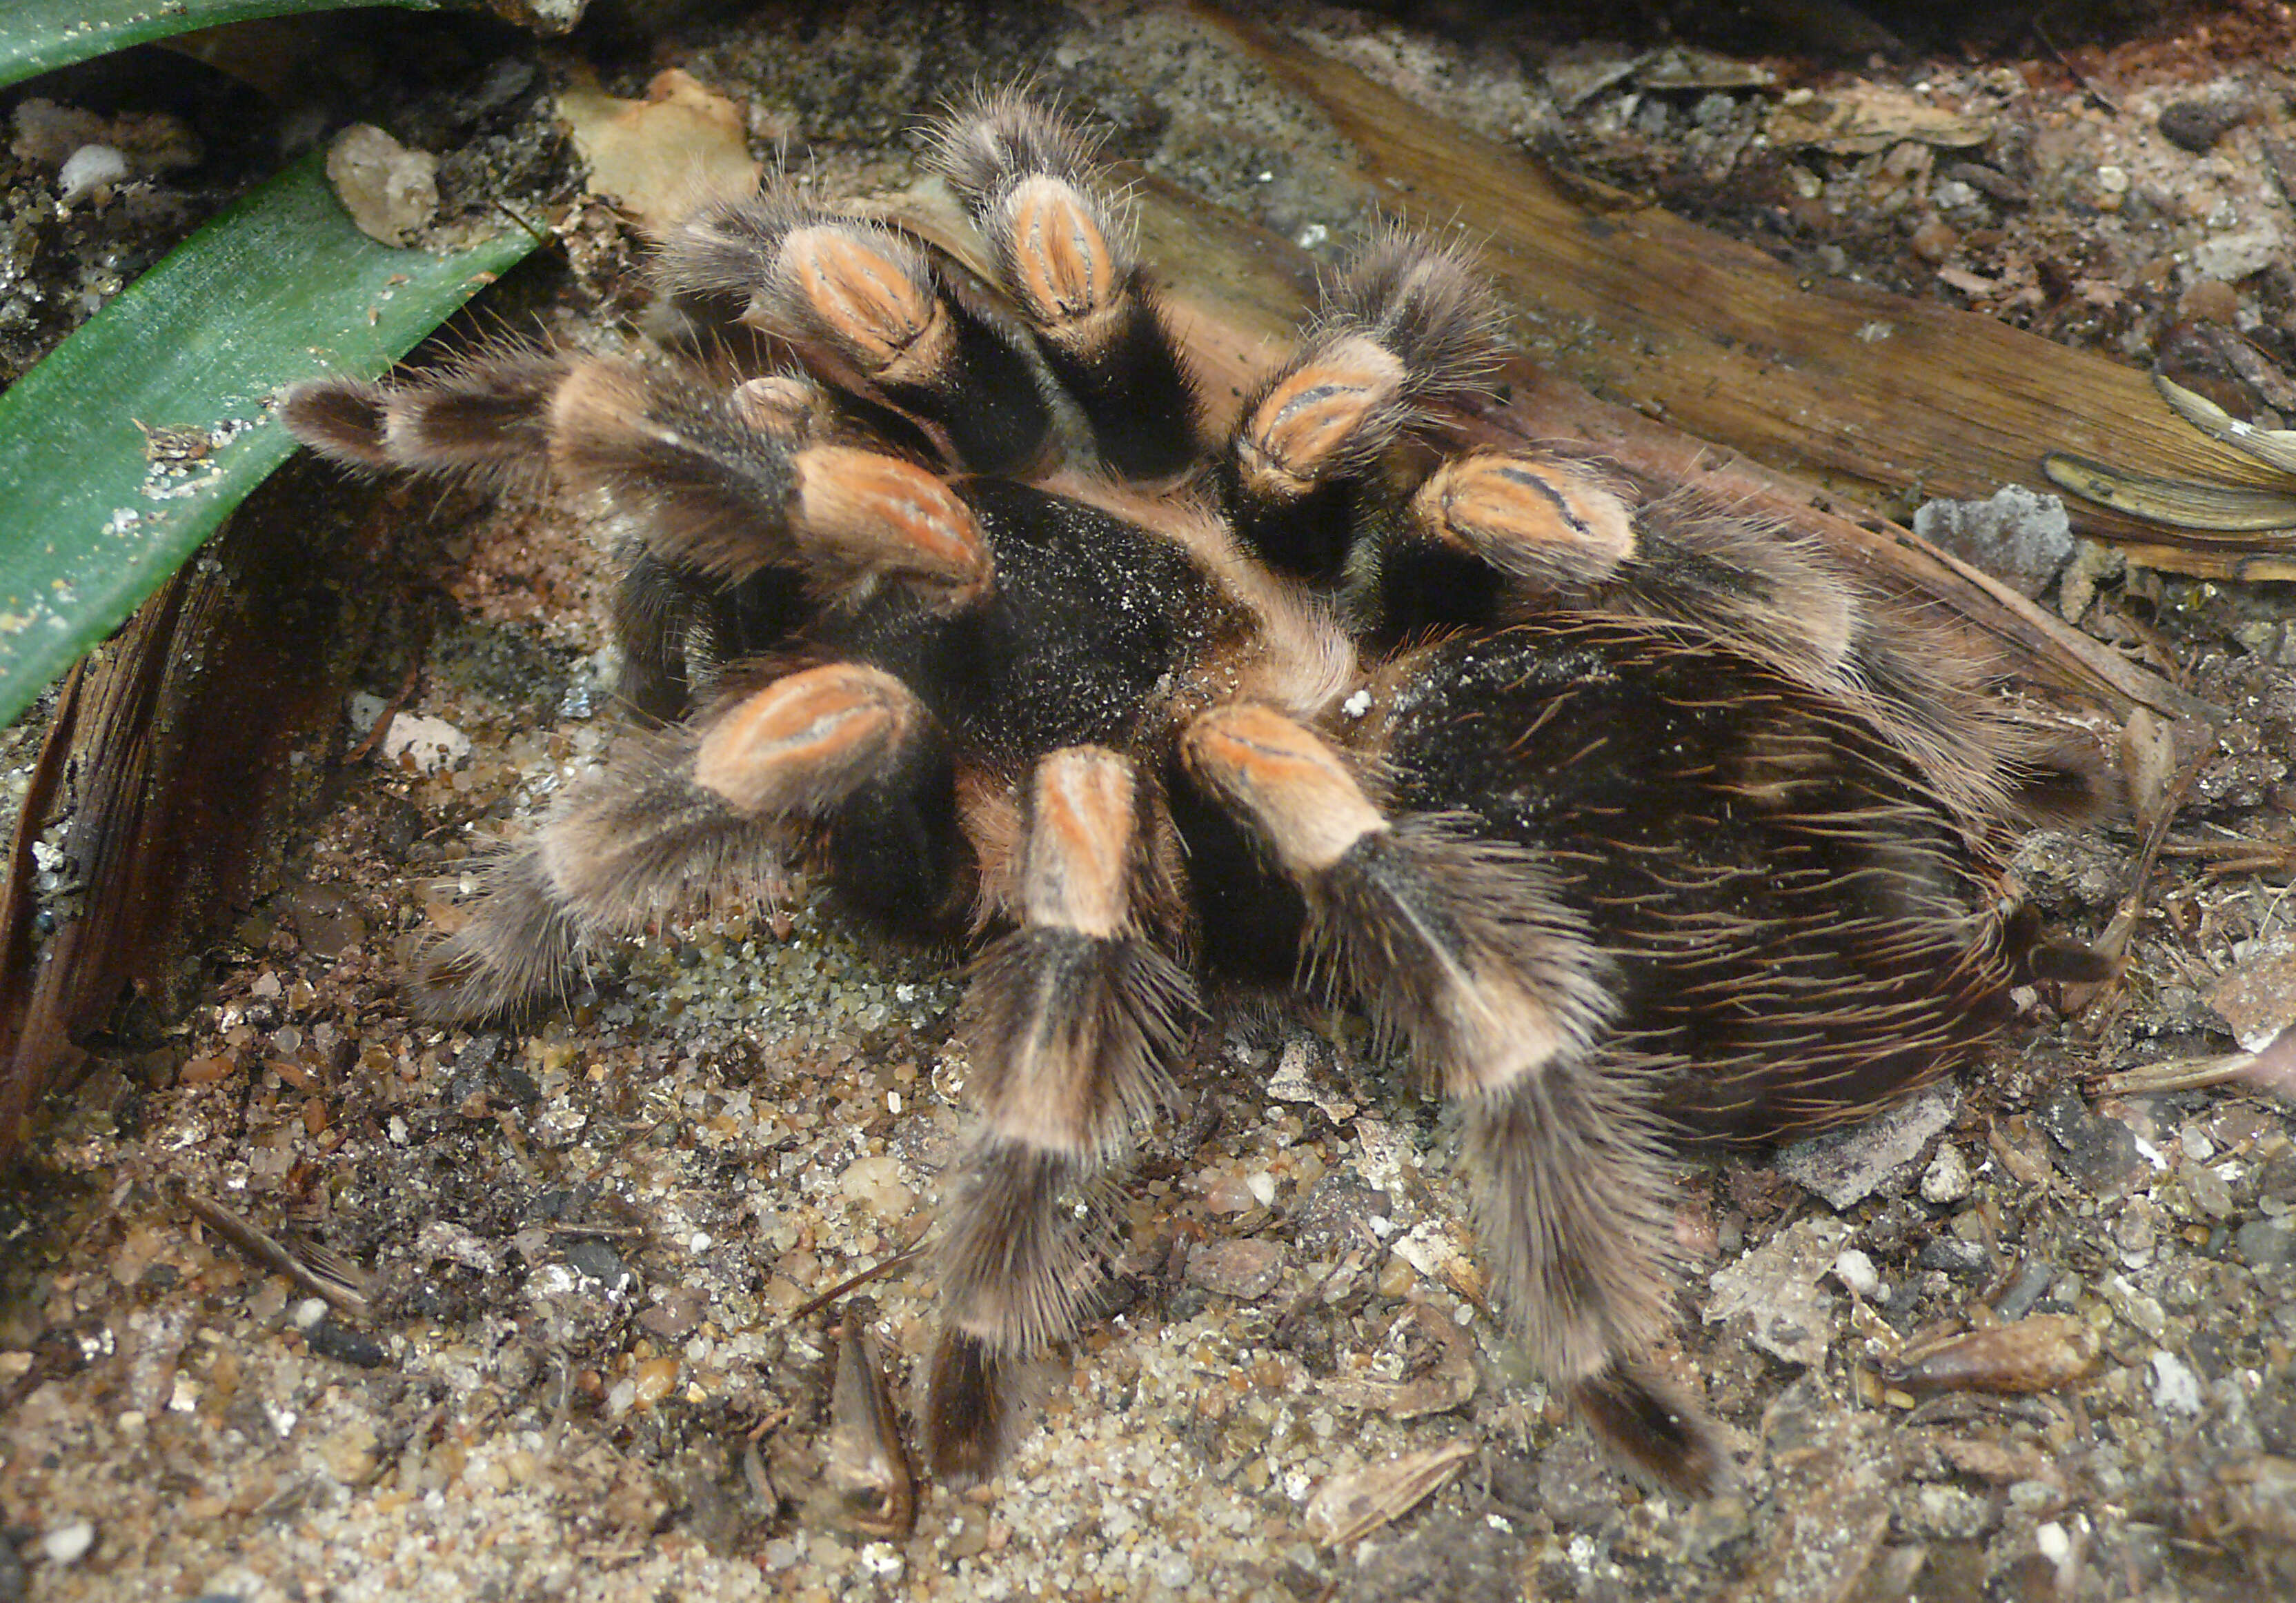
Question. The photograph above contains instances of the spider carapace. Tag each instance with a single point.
(1631, 820)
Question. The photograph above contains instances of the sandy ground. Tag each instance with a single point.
(586, 1375)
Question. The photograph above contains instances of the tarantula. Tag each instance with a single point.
(1632, 821)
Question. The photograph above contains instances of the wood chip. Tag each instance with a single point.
(1869, 119)
(1348, 1507)
(2037, 1354)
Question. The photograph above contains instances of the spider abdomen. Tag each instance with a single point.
(1800, 929)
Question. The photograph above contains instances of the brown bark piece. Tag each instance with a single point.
(1873, 394)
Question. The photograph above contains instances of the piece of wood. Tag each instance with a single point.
(1874, 395)
(166, 778)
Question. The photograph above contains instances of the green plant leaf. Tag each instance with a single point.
(94, 514)
(40, 36)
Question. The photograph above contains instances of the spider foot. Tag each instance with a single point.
(486, 415)
(1552, 525)
(1069, 1022)
(1028, 180)
(1655, 1430)
(871, 313)
(1407, 329)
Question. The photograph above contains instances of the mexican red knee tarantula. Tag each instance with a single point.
(1632, 822)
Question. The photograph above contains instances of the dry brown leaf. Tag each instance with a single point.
(1348, 1508)
(660, 158)
(2037, 1354)
(1869, 119)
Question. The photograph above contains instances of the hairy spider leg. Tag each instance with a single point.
(842, 753)
(487, 415)
(1028, 180)
(872, 313)
(742, 513)
(1069, 1022)
(1462, 948)
(1406, 327)
(710, 490)
(1552, 526)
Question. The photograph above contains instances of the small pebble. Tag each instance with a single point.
(1229, 1194)
(654, 1378)
(2211, 1191)
(1845, 1166)
(1856, 1272)
(1953, 1514)
(1936, 240)
(2256, 997)
(2210, 300)
(1947, 1179)
(596, 1260)
(2033, 1495)
(2196, 124)
(2016, 534)
(89, 170)
(2135, 1230)
(2263, 1243)
(423, 745)
(1954, 1256)
(2096, 1153)
(2175, 1389)
(329, 1339)
(392, 192)
(1240, 1269)
(68, 1544)
(874, 1184)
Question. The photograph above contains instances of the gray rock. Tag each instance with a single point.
(1775, 1287)
(2015, 534)
(1947, 1179)
(1845, 1166)
(2266, 1243)
(2097, 1154)
(1951, 1514)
